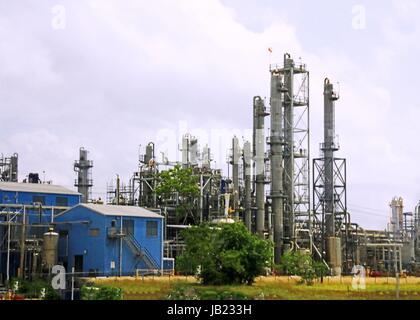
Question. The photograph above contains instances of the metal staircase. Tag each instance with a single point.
(141, 252)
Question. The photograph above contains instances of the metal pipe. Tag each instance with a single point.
(235, 173)
(8, 248)
(22, 246)
(201, 197)
(117, 190)
(121, 245)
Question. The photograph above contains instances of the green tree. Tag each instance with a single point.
(302, 265)
(181, 184)
(224, 254)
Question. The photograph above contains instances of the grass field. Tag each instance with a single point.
(268, 288)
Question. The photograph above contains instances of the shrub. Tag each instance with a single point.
(224, 254)
(34, 288)
(302, 265)
(100, 293)
(191, 293)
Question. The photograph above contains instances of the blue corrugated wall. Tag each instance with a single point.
(99, 251)
(13, 197)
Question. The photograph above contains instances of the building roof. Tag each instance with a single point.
(36, 187)
(126, 211)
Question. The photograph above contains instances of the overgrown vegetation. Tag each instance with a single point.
(35, 289)
(183, 292)
(224, 254)
(100, 293)
(302, 265)
(264, 288)
(179, 183)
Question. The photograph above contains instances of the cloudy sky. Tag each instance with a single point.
(113, 75)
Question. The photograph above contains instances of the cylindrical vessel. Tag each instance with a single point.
(334, 255)
(50, 249)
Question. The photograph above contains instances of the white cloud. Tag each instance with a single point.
(120, 73)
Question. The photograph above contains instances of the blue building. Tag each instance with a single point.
(34, 205)
(102, 240)
(41, 200)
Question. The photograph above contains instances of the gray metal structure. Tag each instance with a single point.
(258, 149)
(289, 152)
(235, 159)
(83, 168)
(331, 224)
(276, 161)
(329, 146)
(9, 168)
(247, 157)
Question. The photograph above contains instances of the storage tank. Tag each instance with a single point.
(334, 255)
(408, 252)
(49, 249)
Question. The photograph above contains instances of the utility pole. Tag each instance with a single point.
(8, 248)
(201, 197)
(397, 275)
(22, 246)
(121, 245)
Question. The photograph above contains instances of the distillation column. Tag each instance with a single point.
(247, 178)
(14, 167)
(258, 149)
(147, 178)
(83, 168)
(397, 205)
(235, 173)
(185, 151)
(329, 147)
(193, 151)
(288, 155)
(276, 162)
(9, 168)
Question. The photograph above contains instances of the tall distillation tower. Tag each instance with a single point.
(84, 182)
(235, 161)
(331, 219)
(289, 152)
(396, 225)
(258, 152)
(247, 157)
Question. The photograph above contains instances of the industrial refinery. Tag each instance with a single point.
(273, 186)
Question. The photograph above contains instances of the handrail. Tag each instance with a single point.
(142, 250)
